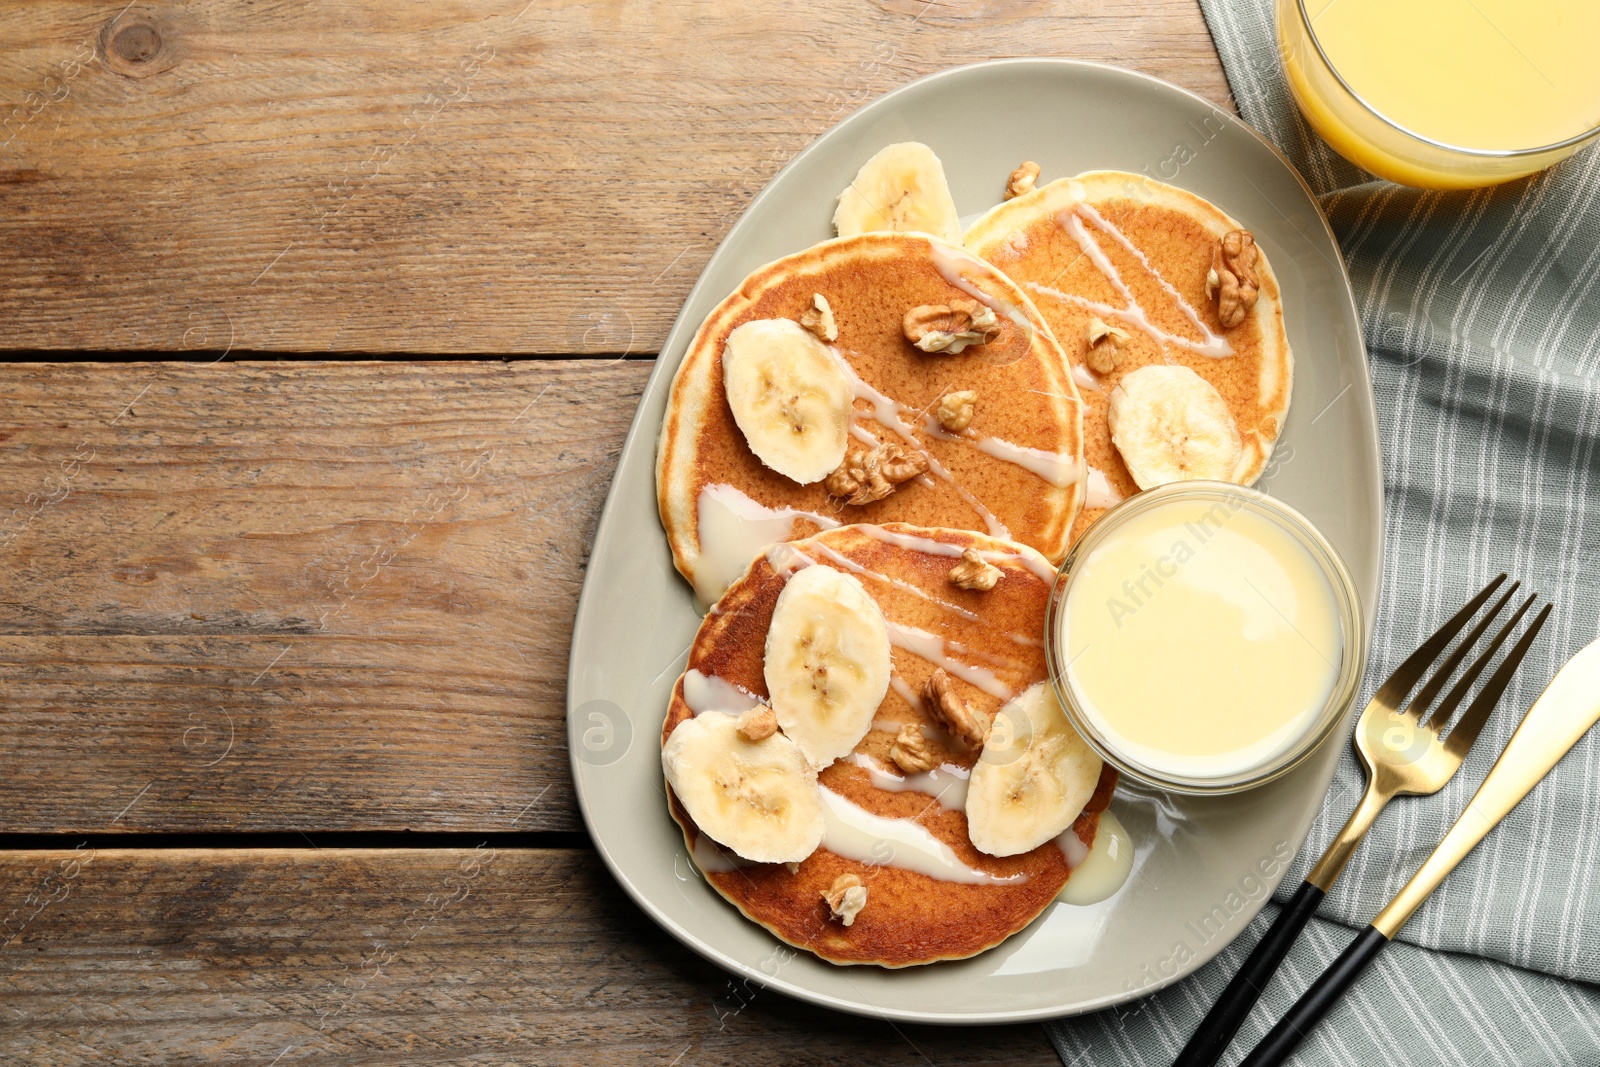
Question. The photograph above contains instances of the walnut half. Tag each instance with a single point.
(758, 724)
(869, 475)
(910, 750)
(959, 719)
(846, 897)
(973, 572)
(956, 409)
(1105, 345)
(1022, 179)
(818, 318)
(1233, 277)
(950, 328)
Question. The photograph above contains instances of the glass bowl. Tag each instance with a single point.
(1347, 606)
(1376, 143)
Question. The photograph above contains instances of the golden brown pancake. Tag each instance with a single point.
(1015, 472)
(1039, 240)
(910, 917)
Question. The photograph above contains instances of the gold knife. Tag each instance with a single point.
(1564, 712)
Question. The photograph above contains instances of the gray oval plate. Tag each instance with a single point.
(1203, 867)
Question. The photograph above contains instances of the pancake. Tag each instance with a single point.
(991, 638)
(1135, 253)
(1015, 471)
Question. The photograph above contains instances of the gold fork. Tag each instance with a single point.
(1404, 754)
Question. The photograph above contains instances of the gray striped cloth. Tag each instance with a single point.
(1482, 317)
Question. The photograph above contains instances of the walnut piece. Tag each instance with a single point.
(846, 897)
(974, 573)
(869, 475)
(910, 750)
(958, 718)
(950, 328)
(758, 724)
(1022, 179)
(1233, 276)
(956, 409)
(818, 318)
(1105, 345)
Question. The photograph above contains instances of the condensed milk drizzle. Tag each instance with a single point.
(947, 783)
(707, 692)
(856, 834)
(733, 529)
(948, 262)
(838, 559)
(1034, 562)
(932, 648)
(886, 412)
(1101, 493)
(1211, 344)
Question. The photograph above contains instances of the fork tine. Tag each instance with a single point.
(1430, 689)
(1458, 692)
(1465, 732)
(1404, 678)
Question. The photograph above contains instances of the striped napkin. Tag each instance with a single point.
(1482, 317)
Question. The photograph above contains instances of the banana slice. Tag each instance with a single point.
(790, 396)
(901, 188)
(827, 662)
(758, 798)
(1033, 778)
(1170, 425)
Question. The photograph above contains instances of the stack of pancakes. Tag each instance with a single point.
(833, 345)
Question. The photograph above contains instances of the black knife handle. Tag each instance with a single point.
(1216, 1030)
(1281, 1040)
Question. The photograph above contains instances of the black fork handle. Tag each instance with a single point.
(1220, 1025)
(1280, 1042)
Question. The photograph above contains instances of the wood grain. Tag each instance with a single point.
(445, 177)
(363, 575)
(303, 958)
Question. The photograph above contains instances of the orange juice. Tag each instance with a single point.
(1445, 93)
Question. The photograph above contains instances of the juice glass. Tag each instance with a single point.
(1445, 94)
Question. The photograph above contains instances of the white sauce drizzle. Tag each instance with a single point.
(786, 559)
(1086, 379)
(1215, 340)
(856, 834)
(841, 560)
(948, 262)
(886, 412)
(707, 692)
(1101, 493)
(1033, 561)
(1098, 871)
(901, 686)
(947, 783)
(1060, 470)
(931, 647)
(733, 530)
(1071, 220)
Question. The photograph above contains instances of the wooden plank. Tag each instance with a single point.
(364, 574)
(330, 958)
(445, 177)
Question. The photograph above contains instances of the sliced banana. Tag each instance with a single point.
(758, 798)
(1171, 425)
(902, 188)
(1033, 778)
(827, 662)
(790, 396)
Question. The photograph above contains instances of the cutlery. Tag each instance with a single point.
(1388, 741)
(1564, 712)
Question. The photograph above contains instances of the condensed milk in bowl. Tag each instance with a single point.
(1204, 637)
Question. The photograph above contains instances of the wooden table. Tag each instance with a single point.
(323, 327)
